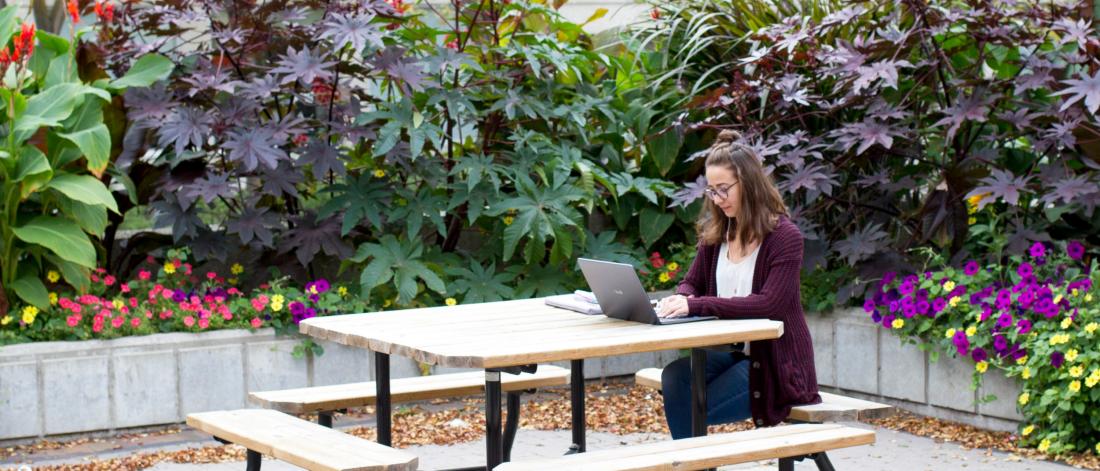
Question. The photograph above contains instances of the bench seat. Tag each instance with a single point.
(299, 442)
(710, 451)
(833, 407)
(344, 396)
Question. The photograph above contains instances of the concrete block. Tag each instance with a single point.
(901, 371)
(341, 364)
(404, 367)
(211, 378)
(271, 366)
(627, 365)
(19, 412)
(1007, 391)
(821, 331)
(76, 395)
(857, 356)
(146, 388)
(949, 383)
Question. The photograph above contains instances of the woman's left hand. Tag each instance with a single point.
(673, 306)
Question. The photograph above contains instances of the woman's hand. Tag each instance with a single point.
(673, 306)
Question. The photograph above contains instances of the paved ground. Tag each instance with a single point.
(893, 451)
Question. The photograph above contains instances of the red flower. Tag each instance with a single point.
(74, 11)
(655, 14)
(453, 44)
(399, 5)
(104, 11)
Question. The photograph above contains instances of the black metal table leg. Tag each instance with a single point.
(324, 419)
(511, 423)
(493, 448)
(822, 462)
(576, 395)
(253, 463)
(786, 464)
(383, 409)
(698, 392)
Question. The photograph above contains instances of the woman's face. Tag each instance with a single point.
(723, 189)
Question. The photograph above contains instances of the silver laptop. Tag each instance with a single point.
(621, 295)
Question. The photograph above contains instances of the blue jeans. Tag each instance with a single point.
(727, 391)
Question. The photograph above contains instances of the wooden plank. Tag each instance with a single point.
(650, 377)
(343, 396)
(709, 451)
(833, 407)
(301, 443)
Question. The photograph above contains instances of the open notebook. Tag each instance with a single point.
(574, 302)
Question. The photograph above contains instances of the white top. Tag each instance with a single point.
(735, 279)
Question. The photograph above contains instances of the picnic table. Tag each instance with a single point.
(513, 336)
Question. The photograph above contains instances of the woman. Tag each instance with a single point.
(747, 266)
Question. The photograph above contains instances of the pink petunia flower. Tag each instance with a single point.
(204, 323)
(256, 322)
(135, 322)
(188, 321)
(109, 280)
(211, 275)
(144, 275)
(118, 321)
(124, 288)
(72, 320)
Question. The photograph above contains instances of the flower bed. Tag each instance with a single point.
(169, 296)
(1035, 317)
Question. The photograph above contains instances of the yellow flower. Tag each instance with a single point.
(1091, 327)
(1057, 299)
(1027, 430)
(1075, 386)
(1098, 448)
(276, 307)
(950, 285)
(673, 266)
(971, 220)
(981, 366)
(1021, 360)
(450, 301)
(1075, 292)
(1088, 298)
(387, 303)
(954, 301)
(277, 302)
(236, 269)
(898, 323)
(1076, 371)
(342, 291)
(1071, 355)
(53, 299)
(950, 333)
(1066, 322)
(1092, 380)
(663, 277)
(6, 320)
(232, 281)
(169, 268)
(379, 173)
(53, 276)
(118, 304)
(508, 220)
(312, 289)
(1024, 398)
(970, 331)
(1026, 373)
(29, 313)
(1044, 445)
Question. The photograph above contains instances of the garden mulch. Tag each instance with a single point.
(613, 407)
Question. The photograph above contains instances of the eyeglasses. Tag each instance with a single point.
(720, 193)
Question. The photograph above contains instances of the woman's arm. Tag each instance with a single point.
(693, 283)
(779, 289)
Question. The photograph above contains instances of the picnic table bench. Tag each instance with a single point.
(299, 442)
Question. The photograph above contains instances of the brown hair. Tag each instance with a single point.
(760, 200)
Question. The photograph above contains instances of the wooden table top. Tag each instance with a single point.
(511, 333)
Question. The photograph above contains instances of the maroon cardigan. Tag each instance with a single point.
(782, 369)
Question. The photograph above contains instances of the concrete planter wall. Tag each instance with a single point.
(57, 388)
(860, 358)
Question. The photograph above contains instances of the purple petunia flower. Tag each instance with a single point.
(1057, 359)
(1025, 269)
(938, 304)
(297, 308)
(179, 296)
(1004, 321)
(909, 312)
(923, 307)
(1000, 343)
(1024, 325)
(987, 311)
(1037, 250)
(971, 268)
(979, 355)
(314, 298)
(888, 277)
(1075, 250)
(869, 305)
(1017, 352)
(887, 321)
(894, 306)
(922, 294)
(876, 317)
(906, 287)
(959, 339)
(321, 285)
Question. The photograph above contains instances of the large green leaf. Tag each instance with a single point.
(75, 275)
(95, 143)
(146, 71)
(399, 261)
(91, 217)
(665, 148)
(31, 290)
(8, 23)
(85, 189)
(654, 223)
(62, 236)
(48, 108)
(542, 212)
(61, 70)
(31, 162)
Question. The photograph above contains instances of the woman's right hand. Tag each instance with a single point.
(673, 306)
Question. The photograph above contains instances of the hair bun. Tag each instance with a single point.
(728, 136)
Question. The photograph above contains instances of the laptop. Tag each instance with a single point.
(621, 295)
